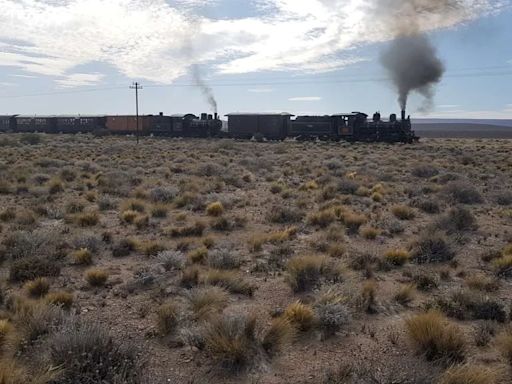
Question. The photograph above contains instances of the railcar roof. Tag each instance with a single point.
(258, 114)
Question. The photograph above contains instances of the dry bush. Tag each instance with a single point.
(458, 219)
(332, 316)
(30, 268)
(152, 248)
(481, 282)
(229, 280)
(207, 301)
(368, 298)
(304, 272)
(167, 318)
(435, 337)
(285, 215)
(37, 287)
(141, 221)
(87, 219)
(163, 194)
(82, 257)
(129, 216)
(224, 258)
(55, 186)
(159, 211)
(133, 205)
(397, 257)
(125, 247)
(425, 171)
(61, 299)
(504, 343)
(465, 305)
(353, 221)
(88, 354)
(301, 316)
(432, 247)
(7, 215)
(427, 205)
(462, 193)
(215, 209)
(323, 218)
(198, 255)
(96, 277)
(503, 266)
(171, 260)
(403, 212)
(469, 374)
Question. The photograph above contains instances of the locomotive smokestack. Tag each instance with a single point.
(403, 114)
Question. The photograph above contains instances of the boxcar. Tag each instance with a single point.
(272, 126)
(47, 124)
(124, 125)
(8, 123)
(83, 124)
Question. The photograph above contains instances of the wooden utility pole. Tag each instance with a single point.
(137, 86)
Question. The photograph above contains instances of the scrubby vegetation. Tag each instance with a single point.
(227, 262)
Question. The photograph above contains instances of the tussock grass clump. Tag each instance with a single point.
(284, 215)
(87, 353)
(159, 211)
(504, 343)
(425, 171)
(432, 247)
(503, 266)
(403, 212)
(96, 277)
(436, 338)
(353, 221)
(305, 271)
(167, 318)
(198, 256)
(125, 247)
(369, 233)
(61, 299)
(7, 215)
(190, 277)
(280, 334)
(37, 287)
(469, 374)
(481, 282)
(30, 268)
(87, 219)
(55, 186)
(215, 209)
(196, 229)
(231, 341)
(397, 257)
(141, 221)
(405, 294)
(152, 248)
(129, 216)
(368, 297)
(229, 280)
(323, 218)
(207, 301)
(133, 205)
(82, 257)
(301, 316)
(464, 305)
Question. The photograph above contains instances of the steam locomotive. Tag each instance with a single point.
(353, 126)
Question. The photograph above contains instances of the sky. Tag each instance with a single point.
(299, 56)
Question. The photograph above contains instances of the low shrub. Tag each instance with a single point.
(432, 247)
(405, 294)
(31, 268)
(464, 305)
(503, 266)
(323, 218)
(280, 333)
(190, 277)
(436, 338)
(196, 229)
(331, 317)
(88, 354)
(504, 343)
(458, 219)
(172, 260)
(224, 258)
(87, 219)
(284, 215)
(462, 193)
(369, 233)
(125, 247)
(198, 255)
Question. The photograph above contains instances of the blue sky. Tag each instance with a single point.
(304, 57)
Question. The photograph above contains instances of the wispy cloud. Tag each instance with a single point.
(158, 40)
(305, 98)
(448, 106)
(80, 80)
(260, 90)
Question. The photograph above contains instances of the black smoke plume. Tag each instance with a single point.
(411, 59)
(206, 90)
(413, 65)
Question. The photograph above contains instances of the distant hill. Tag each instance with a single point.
(463, 128)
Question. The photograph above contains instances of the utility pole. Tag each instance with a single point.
(137, 86)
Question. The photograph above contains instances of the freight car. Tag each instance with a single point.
(79, 124)
(272, 126)
(8, 123)
(46, 124)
